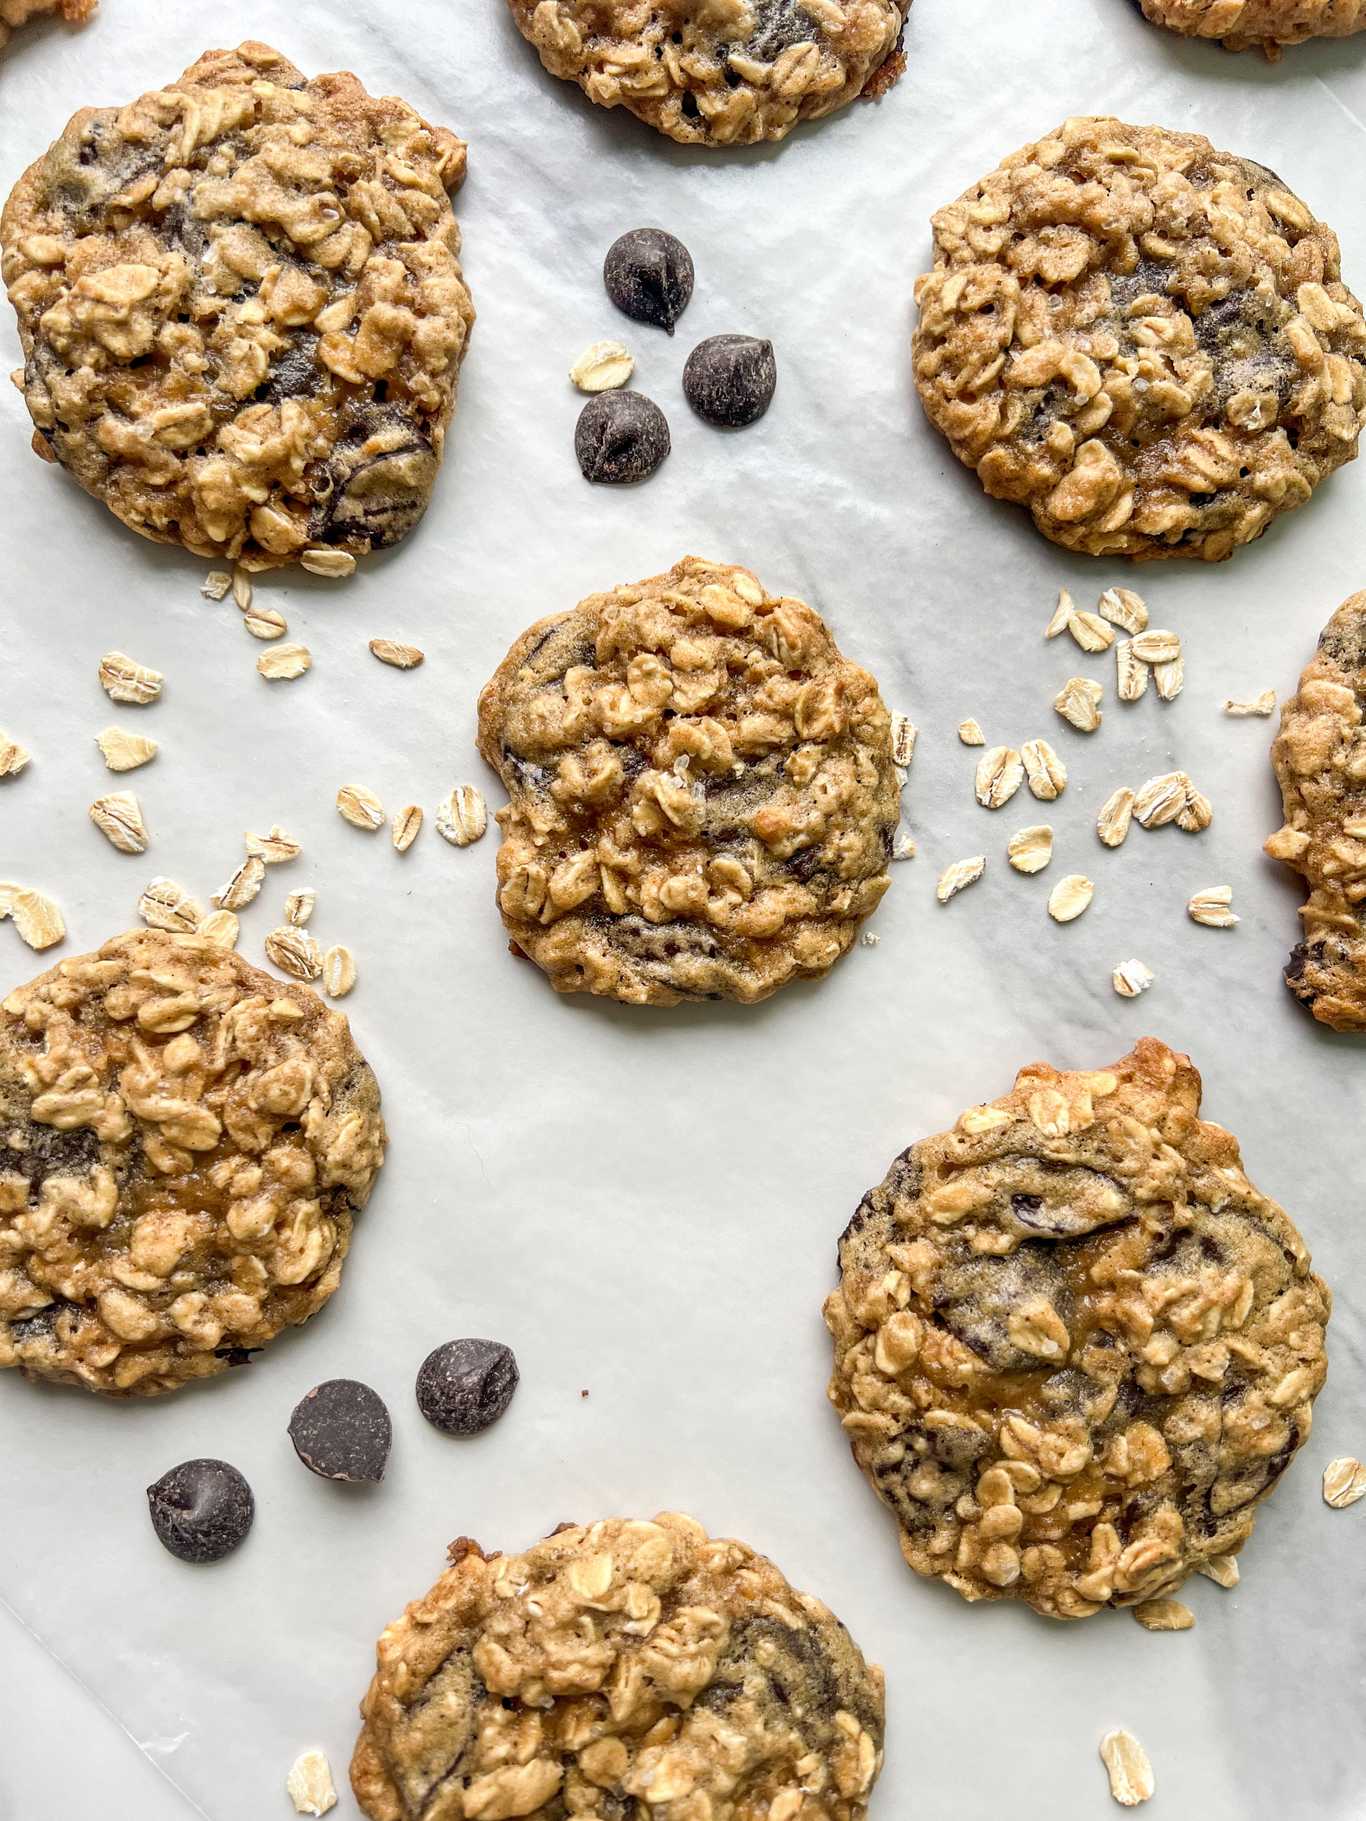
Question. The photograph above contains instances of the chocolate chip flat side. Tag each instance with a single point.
(242, 310)
(1319, 756)
(732, 72)
(703, 796)
(1242, 25)
(1145, 341)
(184, 1141)
(618, 1668)
(1074, 1346)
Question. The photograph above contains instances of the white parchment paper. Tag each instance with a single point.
(645, 1205)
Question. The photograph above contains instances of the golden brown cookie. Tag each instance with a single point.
(1320, 760)
(242, 311)
(1074, 1347)
(719, 72)
(1145, 341)
(703, 793)
(1265, 25)
(14, 13)
(183, 1143)
(615, 1670)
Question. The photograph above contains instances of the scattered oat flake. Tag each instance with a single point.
(299, 906)
(216, 585)
(1131, 978)
(1000, 774)
(339, 971)
(118, 816)
(1211, 907)
(1164, 1615)
(1045, 770)
(241, 890)
(294, 952)
(1070, 897)
(360, 807)
(1156, 647)
(1062, 615)
(1122, 607)
(869, 940)
(276, 848)
(959, 877)
(265, 623)
(1078, 702)
(398, 657)
(166, 905)
(1222, 1569)
(1091, 632)
(36, 917)
(124, 681)
(332, 563)
(905, 848)
(1030, 849)
(282, 663)
(603, 367)
(221, 928)
(1196, 813)
(1131, 674)
(125, 751)
(309, 1784)
(241, 589)
(970, 733)
(1344, 1482)
(407, 826)
(1264, 704)
(1170, 678)
(1112, 823)
(1161, 799)
(462, 817)
(904, 731)
(1131, 1775)
(13, 757)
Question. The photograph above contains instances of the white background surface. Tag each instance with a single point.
(645, 1204)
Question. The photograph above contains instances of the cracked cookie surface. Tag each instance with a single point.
(1266, 25)
(1145, 341)
(14, 13)
(703, 796)
(719, 72)
(242, 310)
(1074, 1347)
(183, 1143)
(619, 1670)
(1319, 757)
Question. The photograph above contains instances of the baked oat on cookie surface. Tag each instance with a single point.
(14, 13)
(242, 310)
(183, 1142)
(1145, 341)
(1320, 760)
(1259, 24)
(1074, 1346)
(719, 72)
(616, 1669)
(703, 793)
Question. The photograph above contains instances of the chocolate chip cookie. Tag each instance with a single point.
(1074, 1347)
(618, 1669)
(1261, 24)
(1145, 341)
(1320, 761)
(242, 311)
(183, 1143)
(719, 72)
(703, 793)
(14, 13)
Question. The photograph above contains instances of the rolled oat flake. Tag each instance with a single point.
(649, 275)
(341, 1431)
(201, 1510)
(622, 438)
(730, 379)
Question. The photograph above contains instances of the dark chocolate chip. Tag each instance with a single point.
(465, 1385)
(621, 438)
(341, 1431)
(201, 1510)
(729, 379)
(649, 275)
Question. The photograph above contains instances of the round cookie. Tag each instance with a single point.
(1074, 1347)
(703, 793)
(719, 72)
(616, 1669)
(14, 13)
(1319, 757)
(183, 1143)
(1265, 25)
(242, 311)
(1145, 341)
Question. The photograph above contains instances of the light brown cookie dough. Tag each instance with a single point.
(14, 13)
(1265, 25)
(242, 311)
(719, 72)
(1074, 1347)
(1320, 760)
(703, 793)
(1145, 341)
(183, 1143)
(619, 1670)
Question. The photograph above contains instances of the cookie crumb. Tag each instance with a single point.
(904, 735)
(309, 1784)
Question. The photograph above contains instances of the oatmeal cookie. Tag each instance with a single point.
(14, 13)
(242, 311)
(183, 1142)
(619, 1669)
(719, 72)
(703, 793)
(1074, 1347)
(1143, 340)
(1265, 25)
(1320, 761)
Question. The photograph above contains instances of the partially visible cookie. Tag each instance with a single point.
(1145, 341)
(1074, 1346)
(719, 72)
(242, 310)
(703, 796)
(1320, 760)
(183, 1143)
(619, 1669)
(14, 13)
(1265, 25)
